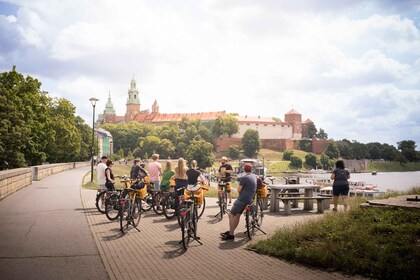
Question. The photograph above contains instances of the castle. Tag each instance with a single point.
(274, 134)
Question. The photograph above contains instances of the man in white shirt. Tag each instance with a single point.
(100, 172)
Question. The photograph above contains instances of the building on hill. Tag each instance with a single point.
(273, 133)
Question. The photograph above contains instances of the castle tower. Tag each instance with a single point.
(109, 112)
(155, 108)
(295, 119)
(133, 102)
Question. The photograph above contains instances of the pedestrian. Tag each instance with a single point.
(340, 175)
(109, 176)
(225, 172)
(155, 172)
(135, 169)
(166, 176)
(181, 179)
(246, 189)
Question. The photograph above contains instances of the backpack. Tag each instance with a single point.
(260, 182)
(340, 174)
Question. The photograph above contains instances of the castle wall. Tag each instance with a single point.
(266, 131)
(319, 146)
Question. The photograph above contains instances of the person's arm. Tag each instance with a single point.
(108, 175)
(239, 188)
(201, 178)
(333, 175)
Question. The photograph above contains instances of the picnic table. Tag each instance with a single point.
(277, 190)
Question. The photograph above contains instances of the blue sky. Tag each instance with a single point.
(353, 67)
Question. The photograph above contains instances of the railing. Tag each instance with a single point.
(15, 179)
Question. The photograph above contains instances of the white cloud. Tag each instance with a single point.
(327, 59)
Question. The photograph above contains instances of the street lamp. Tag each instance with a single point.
(93, 101)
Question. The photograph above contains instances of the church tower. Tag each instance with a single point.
(109, 112)
(133, 102)
(155, 108)
(294, 118)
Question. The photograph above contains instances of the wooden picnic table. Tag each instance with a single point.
(277, 189)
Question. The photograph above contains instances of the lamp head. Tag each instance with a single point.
(93, 101)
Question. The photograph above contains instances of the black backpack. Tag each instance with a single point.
(340, 174)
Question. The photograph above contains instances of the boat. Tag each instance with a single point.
(258, 168)
(357, 188)
(374, 172)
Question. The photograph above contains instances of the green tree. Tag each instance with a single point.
(374, 152)
(251, 143)
(332, 151)
(166, 149)
(296, 162)
(322, 134)
(325, 162)
(150, 145)
(388, 152)
(408, 149)
(226, 124)
(360, 150)
(345, 148)
(399, 157)
(287, 154)
(202, 152)
(305, 145)
(312, 131)
(234, 152)
(311, 160)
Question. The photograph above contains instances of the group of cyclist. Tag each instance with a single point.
(183, 176)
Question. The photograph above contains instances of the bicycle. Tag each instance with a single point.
(189, 218)
(254, 216)
(130, 208)
(223, 187)
(103, 195)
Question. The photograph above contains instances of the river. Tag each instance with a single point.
(396, 181)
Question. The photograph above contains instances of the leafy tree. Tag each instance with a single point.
(332, 151)
(150, 145)
(251, 143)
(374, 152)
(408, 149)
(234, 152)
(321, 134)
(276, 119)
(399, 157)
(202, 152)
(345, 149)
(305, 145)
(360, 150)
(388, 152)
(86, 140)
(287, 154)
(226, 124)
(312, 131)
(166, 149)
(311, 160)
(296, 162)
(325, 162)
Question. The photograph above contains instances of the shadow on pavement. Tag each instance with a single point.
(233, 244)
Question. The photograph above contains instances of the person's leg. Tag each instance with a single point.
(233, 222)
(335, 202)
(156, 186)
(345, 201)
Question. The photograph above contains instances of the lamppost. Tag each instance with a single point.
(93, 101)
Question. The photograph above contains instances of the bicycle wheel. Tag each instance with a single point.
(260, 214)
(222, 204)
(248, 222)
(201, 208)
(124, 216)
(157, 204)
(185, 229)
(136, 212)
(169, 207)
(112, 207)
(147, 202)
(100, 201)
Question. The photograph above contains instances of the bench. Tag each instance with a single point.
(291, 194)
(319, 200)
(327, 202)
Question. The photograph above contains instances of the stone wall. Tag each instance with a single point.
(319, 146)
(15, 179)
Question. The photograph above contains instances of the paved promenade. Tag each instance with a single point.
(152, 253)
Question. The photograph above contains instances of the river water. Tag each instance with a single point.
(396, 181)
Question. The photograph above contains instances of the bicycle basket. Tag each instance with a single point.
(138, 185)
(262, 192)
(198, 196)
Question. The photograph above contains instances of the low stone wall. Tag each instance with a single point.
(15, 179)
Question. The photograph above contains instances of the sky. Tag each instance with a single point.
(352, 67)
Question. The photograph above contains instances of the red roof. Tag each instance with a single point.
(293, 112)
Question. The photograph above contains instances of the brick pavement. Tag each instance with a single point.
(154, 252)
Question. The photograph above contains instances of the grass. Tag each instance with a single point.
(374, 242)
(393, 166)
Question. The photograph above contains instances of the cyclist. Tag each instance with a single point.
(137, 171)
(109, 176)
(100, 173)
(181, 180)
(247, 188)
(225, 171)
(166, 176)
(155, 171)
(194, 176)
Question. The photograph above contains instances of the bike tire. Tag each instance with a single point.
(98, 204)
(221, 205)
(136, 212)
(112, 207)
(169, 207)
(260, 214)
(201, 208)
(124, 217)
(248, 223)
(157, 204)
(185, 230)
(147, 202)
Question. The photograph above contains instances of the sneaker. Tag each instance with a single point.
(228, 237)
(224, 233)
(334, 209)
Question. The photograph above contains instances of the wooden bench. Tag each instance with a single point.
(327, 202)
(288, 207)
(291, 194)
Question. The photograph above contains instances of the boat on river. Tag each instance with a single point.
(357, 188)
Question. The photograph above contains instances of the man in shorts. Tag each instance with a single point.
(246, 189)
(225, 172)
(100, 174)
